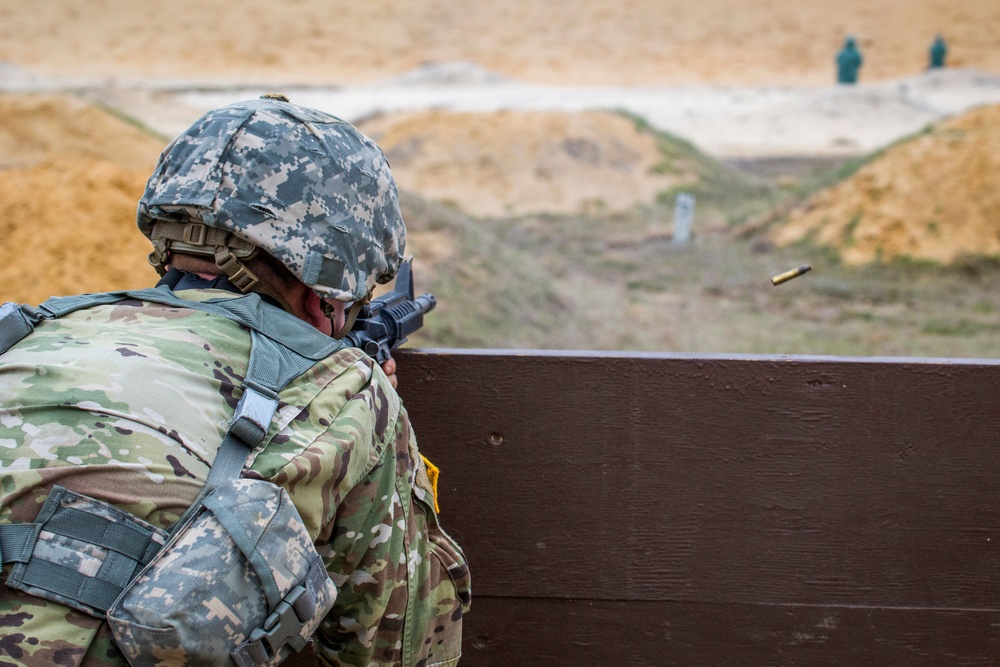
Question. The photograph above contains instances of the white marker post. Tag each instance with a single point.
(683, 218)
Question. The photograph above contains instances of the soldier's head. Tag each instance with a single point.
(298, 193)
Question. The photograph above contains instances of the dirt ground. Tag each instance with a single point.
(70, 175)
(512, 163)
(70, 179)
(629, 42)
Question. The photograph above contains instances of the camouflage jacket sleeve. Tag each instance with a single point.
(362, 486)
(128, 403)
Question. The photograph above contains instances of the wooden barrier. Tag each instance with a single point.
(625, 509)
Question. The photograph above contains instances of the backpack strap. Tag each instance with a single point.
(282, 348)
(247, 309)
(272, 366)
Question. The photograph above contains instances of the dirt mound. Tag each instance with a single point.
(35, 128)
(516, 162)
(933, 197)
(68, 192)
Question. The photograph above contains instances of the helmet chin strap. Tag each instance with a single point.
(352, 316)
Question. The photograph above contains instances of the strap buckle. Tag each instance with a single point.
(254, 413)
(235, 270)
(244, 279)
(283, 625)
(194, 233)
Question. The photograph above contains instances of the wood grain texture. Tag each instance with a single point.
(524, 632)
(668, 509)
(508, 631)
(750, 480)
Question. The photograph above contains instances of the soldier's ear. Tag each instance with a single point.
(310, 308)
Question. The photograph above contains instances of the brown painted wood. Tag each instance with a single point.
(525, 632)
(743, 482)
(515, 631)
(669, 509)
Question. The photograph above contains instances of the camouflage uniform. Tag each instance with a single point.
(127, 403)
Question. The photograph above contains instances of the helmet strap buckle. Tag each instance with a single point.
(160, 256)
(244, 279)
(237, 272)
(195, 233)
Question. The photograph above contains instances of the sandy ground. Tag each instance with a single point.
(932, 198)
(69, 184)
(737, 78)
(512, 163)
(587, 42)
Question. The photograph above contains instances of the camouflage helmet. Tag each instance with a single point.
(306, 187)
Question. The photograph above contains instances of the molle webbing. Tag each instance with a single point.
(79, 551)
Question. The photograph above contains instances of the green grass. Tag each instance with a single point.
(849, 228)
(127, 119)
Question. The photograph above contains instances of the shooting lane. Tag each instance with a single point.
(663, 509)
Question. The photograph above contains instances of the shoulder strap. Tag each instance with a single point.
(247, 309)
(271, 367)
(14, 325)
(17, 321)
(282, 348)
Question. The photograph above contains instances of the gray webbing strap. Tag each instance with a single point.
(84, 526)
(14, 538)
(64, 305)
(50, 561)
(271, 367)
(14, 325)
(248, 309)
(127, 551)
(91, 592)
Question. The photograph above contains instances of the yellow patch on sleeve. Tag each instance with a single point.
(432, 474)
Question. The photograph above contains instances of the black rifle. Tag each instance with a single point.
(384, 324)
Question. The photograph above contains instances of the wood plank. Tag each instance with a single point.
(570, 633)
(728, 480)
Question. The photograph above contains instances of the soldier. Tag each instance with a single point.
(127, 402)
(938, 52)
(849, 62)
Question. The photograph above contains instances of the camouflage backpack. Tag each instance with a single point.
(261, 589)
